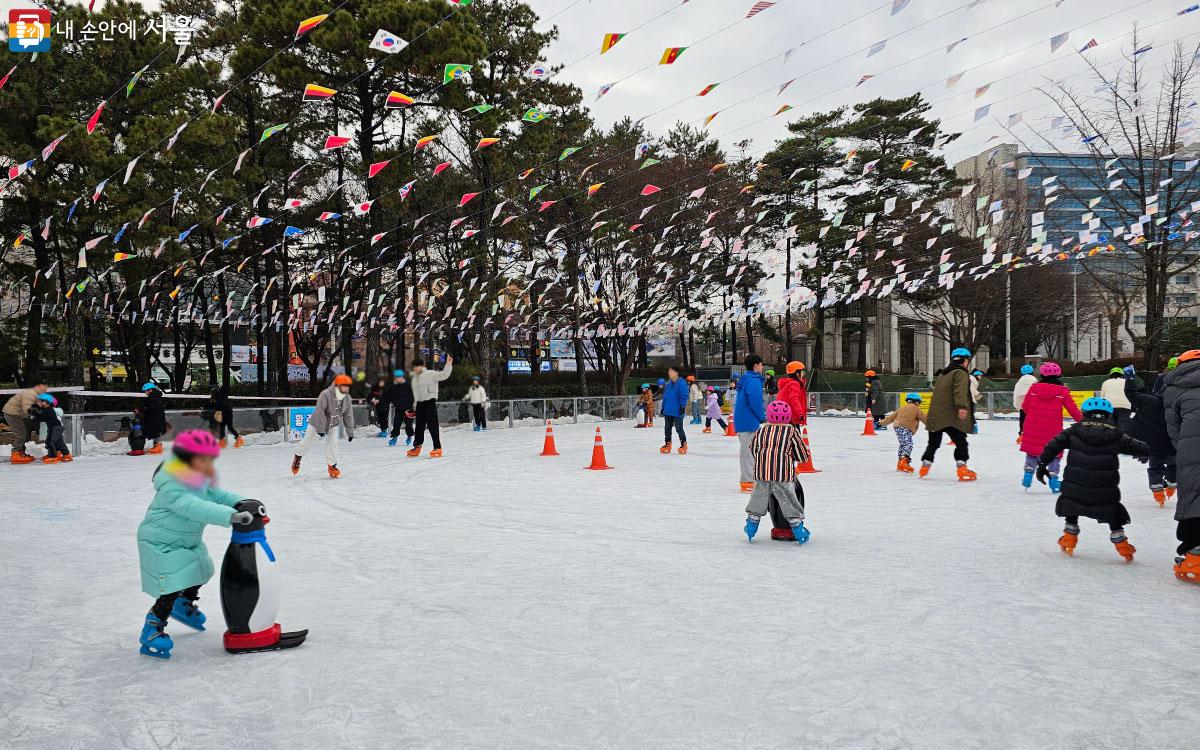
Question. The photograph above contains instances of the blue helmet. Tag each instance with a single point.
(913, 397)
(149, 386)
(1026, 369)
(1095, 404)
(961, 351)
(48, 399)
(661, 381)
(397, 373)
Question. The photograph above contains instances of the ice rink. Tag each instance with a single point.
(494, 598)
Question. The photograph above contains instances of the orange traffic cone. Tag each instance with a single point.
(804, 435)
(548, 447)
(806, 466)
(869, 428)
(598, 461)
(729, 428)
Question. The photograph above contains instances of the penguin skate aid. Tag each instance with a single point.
(174, 561)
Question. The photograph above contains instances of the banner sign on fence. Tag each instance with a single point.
(298, 417)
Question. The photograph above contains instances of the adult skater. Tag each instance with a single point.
(1044, 406)
(222, 413)
(170, 539)
(876, 408)
(748, 413)
(425, 393)
(695, 398)
(1182, 400)
(674, 406)
(399, 396)
(154, 418)
(1024, 383)
(333, 414)
(1148, 423)
(1113, 389)
(478, 399)
(793, 390)
(17, 412)
(950, 414)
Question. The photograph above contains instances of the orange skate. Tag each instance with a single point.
(1160, 496)
(49, 460)
(965, 474)
(65, 458)
(295, 465)
(1068, 541)
(223, 443)
(157, 449)
(665, 449)
(1170, 490)
(239, 442)
(904, 465)
(707, 430)
(435, 453)
(1124, 548)
(333, 471)
(683, 449)
(21, 457)
(925, 467)
(413, 452)
(1187, 568)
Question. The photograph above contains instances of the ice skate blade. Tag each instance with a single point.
(286, 640)
(156, 653)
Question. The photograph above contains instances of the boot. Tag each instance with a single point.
(665, 449)
(435, 453)
(154, 641)
(925, 467)
(1160, 494)
(333, 471)
(295, 465)
(381, 434)
(65, 458)
(751, 528)
(1124, 548)
(904, 465)
(1187, 568)
(392, 442)
(1170, 490)
(683, 449)
(800, 533)
(49, 460)
(707, 430)
(747, 486)
(1027, 480)
(239, 442)
(223, 442)
(20, 457)
(1069, 539)
(157, 449)
(965, 474)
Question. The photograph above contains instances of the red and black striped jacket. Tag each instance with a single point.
(776, 449)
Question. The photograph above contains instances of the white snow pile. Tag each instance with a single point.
(493, 598)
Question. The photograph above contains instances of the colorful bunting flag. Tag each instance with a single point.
(1091, 43)
(386, 41)
(609, 40)
(485, 142)
(466, 198)
(479, 109)
(876, 48)
(538, 72)
(94, 120)
(118, 257)
(866, 77)
(709, 119)
(899, 5)
(604, 90)
(328, 216)
(907, 165)
(461, 3)
(533, 115)
(708, 88)
(424, 141)
(533, 191)
(454, 71)
(4, 80)
(272, 131)
(545, 205)
(128, 87)
(670, 55)
(1058, 40)
(525, 174)
(315, 93)
(441, 168)
(376, 168)
(568, 151)
(406, 189)
(758, 7)
(593, 189)
(362, 209)
(396, 100)
(335, 141)
(309, 24)
(257, 221)
(650, 189)
(782, 109)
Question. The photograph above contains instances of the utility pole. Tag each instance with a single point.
(1008, 322)
(1075, 315)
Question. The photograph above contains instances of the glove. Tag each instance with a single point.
(1129, 370)
(1042, 473)
(1143, 459)
(242, 518)
(320, 434)
(349, 438)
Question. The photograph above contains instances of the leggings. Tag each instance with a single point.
(226, 423)
(677, 422)
(163, 604)
(905, 437)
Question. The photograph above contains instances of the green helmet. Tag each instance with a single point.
(1172, 363)
(1116, 371)
(770, 372)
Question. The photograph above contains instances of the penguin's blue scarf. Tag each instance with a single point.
(250, 537)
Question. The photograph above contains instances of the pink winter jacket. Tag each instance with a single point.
(1043, 407)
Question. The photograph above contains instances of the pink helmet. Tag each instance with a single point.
(196, 443)
(778, 412)
(1050, 369)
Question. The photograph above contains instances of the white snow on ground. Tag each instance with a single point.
(494, 598)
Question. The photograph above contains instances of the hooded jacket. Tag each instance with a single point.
(1043, 407)
(1181, 397)
(749, 411)
(1022, 389)
(1092, 477)
(332, 411)
(154, 414)
(674, 398)
(874, 394)
(1113, 389)
(951, 392)
(1149, 422)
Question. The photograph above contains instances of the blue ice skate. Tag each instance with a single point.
(381, 433)
(408, 440)
(751, 529)
(476, 429)
(802, 534)
(1055, 484)
(392, 442)
(154, 641)
(188, 613)
(1027, 480)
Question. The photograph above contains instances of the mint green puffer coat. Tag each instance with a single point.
(171, 536)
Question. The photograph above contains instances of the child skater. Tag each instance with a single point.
(713, 410)
(1021, 389)
(777, 448)
(1043, 406)
(334, 413)
(174, 561)
(908, 419)
(477, 397)
(47, 412)
(1090, 483)
(646, 405)
(154, 417)
(1149, 424)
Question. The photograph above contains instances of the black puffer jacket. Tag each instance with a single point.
(1149, 423)
(1093, 474)
(154, 416)
(400, 396)
(1182, 400)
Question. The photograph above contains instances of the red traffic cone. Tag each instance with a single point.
(869, 428)
(729, 428)
(598, 461)
(548, 447)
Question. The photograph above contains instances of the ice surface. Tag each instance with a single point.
(494, 598)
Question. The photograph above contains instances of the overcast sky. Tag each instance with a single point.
(1005, 40)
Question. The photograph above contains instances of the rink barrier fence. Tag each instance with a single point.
(101, 432)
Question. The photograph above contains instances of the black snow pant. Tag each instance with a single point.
(55, 445)
(709, 420)
(225, 424)
(961, 451)
(778, 520)
(1121, 418)
(402, 420)
(163, 604)
(479, 414)
(677, 423)
(381, 415)
(1188, 534)
(427, 418)
(1160, 470)
(1021, 423)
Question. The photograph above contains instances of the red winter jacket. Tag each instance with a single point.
(793, 392)
(1043, 407)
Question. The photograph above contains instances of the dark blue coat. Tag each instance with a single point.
(674, 398)
(749, 411)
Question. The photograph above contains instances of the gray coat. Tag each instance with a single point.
(332, 411)
(1182, 401)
